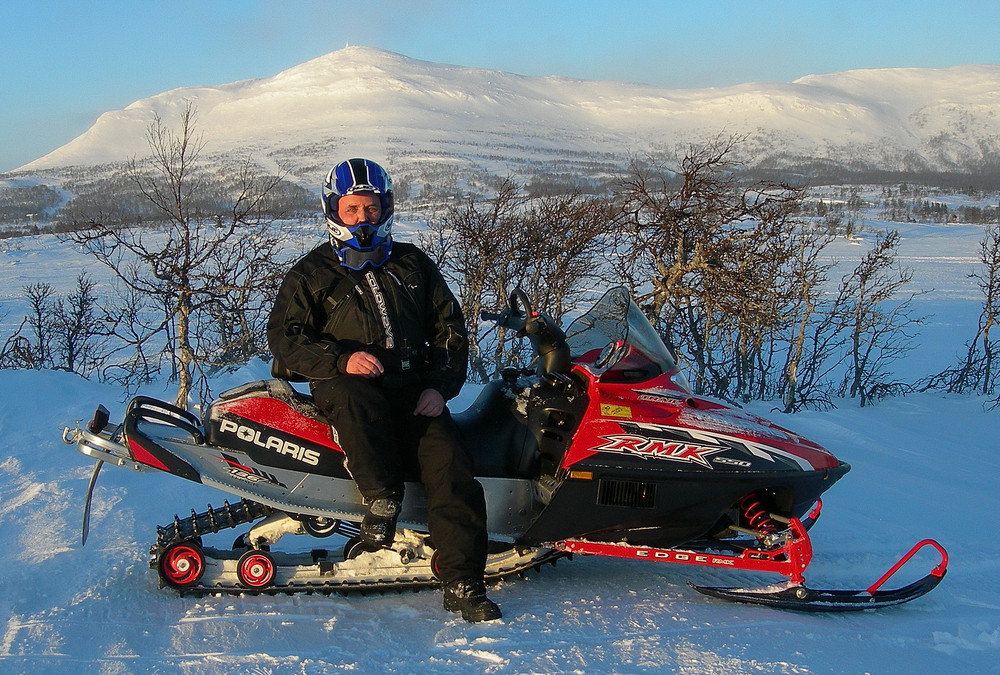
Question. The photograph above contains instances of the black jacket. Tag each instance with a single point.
(402, 312)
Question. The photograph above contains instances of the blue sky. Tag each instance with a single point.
(63, 63)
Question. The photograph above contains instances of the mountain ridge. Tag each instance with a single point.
(363, 100)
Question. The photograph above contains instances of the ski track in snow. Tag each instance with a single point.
(923, 466)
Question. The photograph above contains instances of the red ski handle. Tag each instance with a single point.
(936, 572)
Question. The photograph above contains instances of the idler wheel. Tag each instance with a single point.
(182, 564)
(255, 569)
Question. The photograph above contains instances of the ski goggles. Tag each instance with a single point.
(356, 259)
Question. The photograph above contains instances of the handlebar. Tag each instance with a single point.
(513, 317)
(547, 339)
(517, 295)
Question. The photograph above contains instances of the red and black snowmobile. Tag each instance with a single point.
(602, 449)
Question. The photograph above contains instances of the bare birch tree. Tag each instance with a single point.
(811, 333)
(486, 247)
(877, 320)
(977, 371)
(193, 289)
(709, 258)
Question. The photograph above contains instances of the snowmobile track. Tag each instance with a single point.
(216, 571)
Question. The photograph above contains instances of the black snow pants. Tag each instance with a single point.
(386, 443)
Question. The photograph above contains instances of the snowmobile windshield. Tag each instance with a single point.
(614, 320)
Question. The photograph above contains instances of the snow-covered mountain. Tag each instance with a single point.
(432, 118)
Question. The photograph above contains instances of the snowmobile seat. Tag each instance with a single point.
(281, 390)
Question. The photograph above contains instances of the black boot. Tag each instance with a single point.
(468, 596)
(379, 525)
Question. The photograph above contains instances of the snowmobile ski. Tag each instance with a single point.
(798, 597)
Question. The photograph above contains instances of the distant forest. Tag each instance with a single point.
(37, 209)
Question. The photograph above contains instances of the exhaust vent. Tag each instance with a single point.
(630, 494)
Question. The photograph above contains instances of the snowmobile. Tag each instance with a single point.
(600, 448)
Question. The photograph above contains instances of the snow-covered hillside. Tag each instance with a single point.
(923, 466)
(365, 101)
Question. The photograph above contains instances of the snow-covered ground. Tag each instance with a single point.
(923, 466)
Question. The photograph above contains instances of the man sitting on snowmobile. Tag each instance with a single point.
(373, 327)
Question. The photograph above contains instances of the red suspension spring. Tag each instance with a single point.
(756, 515)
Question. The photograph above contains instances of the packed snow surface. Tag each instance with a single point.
(923, 466)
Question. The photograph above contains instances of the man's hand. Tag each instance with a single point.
(430, 403)
(363, 364)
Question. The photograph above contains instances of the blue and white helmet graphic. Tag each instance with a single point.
(364, 243)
